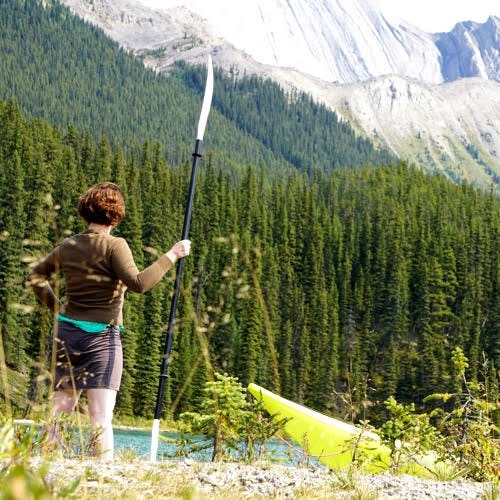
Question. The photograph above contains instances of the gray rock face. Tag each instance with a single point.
(471, 50)
(342, 41)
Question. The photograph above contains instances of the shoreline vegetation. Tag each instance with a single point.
(31, 467)
(28, 471)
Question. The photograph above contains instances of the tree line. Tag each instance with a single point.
(336, 289)
(62, 69)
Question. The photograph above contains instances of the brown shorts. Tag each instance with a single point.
(88, 360)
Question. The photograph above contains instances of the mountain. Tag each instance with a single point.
(470, 49)
(452, 128)
(386, 78)
(334, 40)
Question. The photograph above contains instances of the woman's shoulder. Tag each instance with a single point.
(117, 243)
(93, 238)
(117, 240)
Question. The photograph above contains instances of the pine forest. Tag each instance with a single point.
(323, 268)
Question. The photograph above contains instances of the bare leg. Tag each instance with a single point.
(64, 401)
(101, 406)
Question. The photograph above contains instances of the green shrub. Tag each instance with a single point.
(466, 422)
(227, 421)
(409, 435)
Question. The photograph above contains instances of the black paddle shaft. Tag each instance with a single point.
(178, 276)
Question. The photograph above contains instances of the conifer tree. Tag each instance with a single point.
(11, 251)
(149, 351)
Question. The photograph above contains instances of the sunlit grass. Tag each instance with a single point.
(491, 491)
(446, 471)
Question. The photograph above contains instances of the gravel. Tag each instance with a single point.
(142, 479)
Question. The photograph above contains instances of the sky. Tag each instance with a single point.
(431, 16)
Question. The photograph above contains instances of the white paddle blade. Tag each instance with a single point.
(207, 100)
(155, 433)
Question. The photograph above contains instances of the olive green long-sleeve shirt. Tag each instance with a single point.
(98, 269)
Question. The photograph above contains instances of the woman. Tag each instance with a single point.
(98, 269)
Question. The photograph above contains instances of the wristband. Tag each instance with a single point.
(171, 255)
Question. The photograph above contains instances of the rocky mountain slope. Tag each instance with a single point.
(470, 49)
(385, 79)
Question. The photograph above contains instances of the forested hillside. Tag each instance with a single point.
(356, 282)
(312, 273)
(62, 69)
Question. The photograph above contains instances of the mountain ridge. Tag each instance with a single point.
(468, 148)
(471, 49)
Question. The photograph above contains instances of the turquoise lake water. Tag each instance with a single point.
(140, 443)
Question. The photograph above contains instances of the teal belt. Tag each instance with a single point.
(87, 326)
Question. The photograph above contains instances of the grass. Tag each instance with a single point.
(446, 471)
(139, 479)
(26, 472)
(491, 492)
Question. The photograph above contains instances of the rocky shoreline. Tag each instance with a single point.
(141, 479)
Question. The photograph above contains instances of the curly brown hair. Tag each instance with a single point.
(102, 204)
